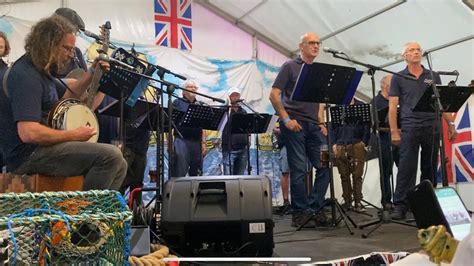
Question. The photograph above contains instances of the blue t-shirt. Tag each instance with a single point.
(285, 81)
(32, 95)
(409, 93)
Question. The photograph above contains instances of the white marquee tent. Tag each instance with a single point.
(243, 42)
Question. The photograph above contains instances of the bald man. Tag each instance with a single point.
(418, 129)
(301, 131)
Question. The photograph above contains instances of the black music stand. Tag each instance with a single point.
(356, 114)
(119, 83)
(253, 123)
(123, 85)
(204, 117)
(440, 99)
(324, 83)
(452, 98)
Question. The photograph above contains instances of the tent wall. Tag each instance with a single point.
(132, 21)
(214, 37)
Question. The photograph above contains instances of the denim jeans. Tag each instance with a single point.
(238, 162)
(102, 165)
(212, 163)
(390, 155)
(302, 146)
(411, 140)
(187, 158)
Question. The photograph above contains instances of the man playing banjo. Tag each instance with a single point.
(29, 145)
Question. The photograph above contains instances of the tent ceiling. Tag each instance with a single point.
(370, 31)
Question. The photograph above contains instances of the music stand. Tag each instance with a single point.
(452, 98)
(356, 114)
(123, 85)
(324, 83)
(253, 123)
(204, 117)
(119, 83)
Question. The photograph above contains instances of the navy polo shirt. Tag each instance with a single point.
(285, 81)
(380, 104)
(380, 101)
(409, 92)
(32, 94)
(189, 133)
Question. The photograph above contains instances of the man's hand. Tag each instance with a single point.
(452, 133)
(324, 130)
(83, 133)
(293, 125)
(203, 149)
(104, 65)
(334, 150)
(396, 137)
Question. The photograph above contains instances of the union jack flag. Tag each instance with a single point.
(173, 24)
(460, 154)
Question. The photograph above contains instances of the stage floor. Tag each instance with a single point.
(330, 243)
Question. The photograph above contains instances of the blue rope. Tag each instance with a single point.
(126, 248)
(122, 201)
(30, 213)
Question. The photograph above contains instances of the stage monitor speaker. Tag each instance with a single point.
(218, 216)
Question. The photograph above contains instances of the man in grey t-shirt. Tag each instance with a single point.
(301, 131)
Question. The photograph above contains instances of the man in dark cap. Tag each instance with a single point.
(77, 60)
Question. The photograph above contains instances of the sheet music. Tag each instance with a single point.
(223, 122)
(272, 123)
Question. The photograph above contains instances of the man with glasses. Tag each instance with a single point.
(301, 131)
(418, 129)
(30, 146)
(76, 59)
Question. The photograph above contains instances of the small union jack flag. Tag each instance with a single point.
(460, 153)
(173, 24)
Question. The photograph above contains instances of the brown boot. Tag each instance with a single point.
(357, 181)
(346, 189)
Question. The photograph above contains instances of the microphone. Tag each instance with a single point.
(239, 101)
(332, 51)
(448, 73)
(111, 60)
(91, 34)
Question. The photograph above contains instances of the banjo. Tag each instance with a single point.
(71, 113)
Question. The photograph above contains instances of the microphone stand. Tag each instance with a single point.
(256, 139)
(439, 114)
(384, 214)
(170, 91)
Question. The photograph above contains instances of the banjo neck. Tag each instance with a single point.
(94, 85)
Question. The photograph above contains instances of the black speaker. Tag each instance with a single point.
(218, 216)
